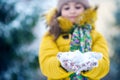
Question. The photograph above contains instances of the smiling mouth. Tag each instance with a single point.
(72, 17)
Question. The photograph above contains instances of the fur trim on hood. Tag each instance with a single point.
(88, 17)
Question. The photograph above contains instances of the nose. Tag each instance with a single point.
(72, 11)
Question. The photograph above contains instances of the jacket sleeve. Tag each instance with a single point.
(99, 45)
(49, 64)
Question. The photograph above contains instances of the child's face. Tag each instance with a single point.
(72, 10)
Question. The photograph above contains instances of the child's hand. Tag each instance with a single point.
(87, 65)
(67, 62)
(65, 24)
(78, 67)
(77, 61)
(69, 65)
(89, 61)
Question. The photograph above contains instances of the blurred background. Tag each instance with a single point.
(22, 27)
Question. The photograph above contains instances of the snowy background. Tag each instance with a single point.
(22, 27)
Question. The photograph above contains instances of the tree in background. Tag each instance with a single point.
(116, 44)
(17, 20)
(6, 50)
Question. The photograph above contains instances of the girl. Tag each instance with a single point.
(72, 28)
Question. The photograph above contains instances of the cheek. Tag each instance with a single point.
(80, 11)
(64, 14)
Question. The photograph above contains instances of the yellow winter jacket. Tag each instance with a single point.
(50, 66)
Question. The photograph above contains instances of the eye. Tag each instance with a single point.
(66, 8)
(78, 7)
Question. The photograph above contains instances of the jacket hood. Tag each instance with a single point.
(88, 17)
